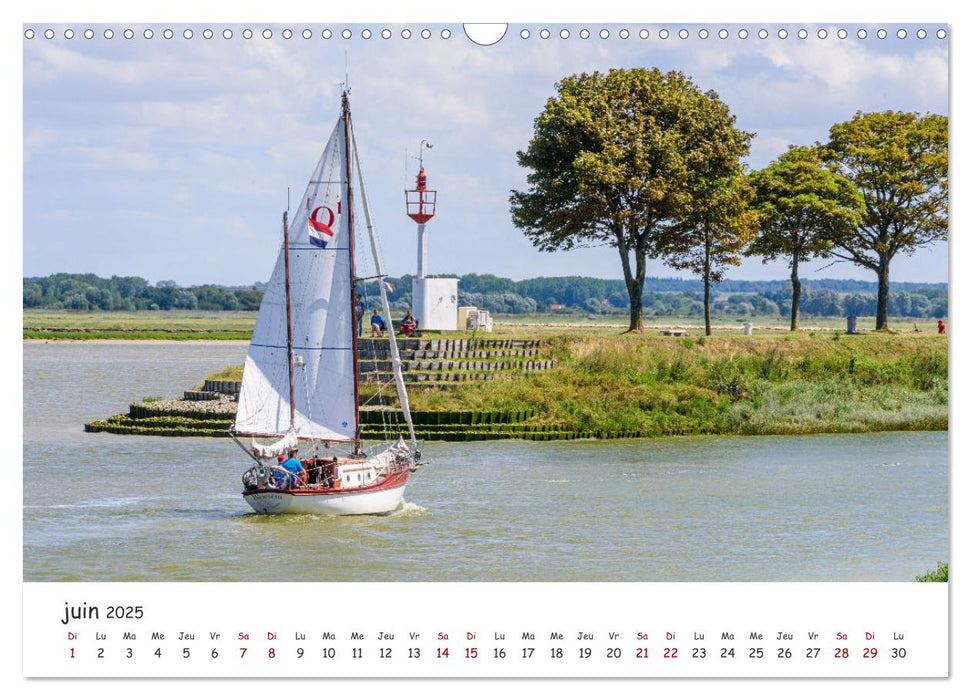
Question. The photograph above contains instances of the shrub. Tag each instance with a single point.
(938, 576)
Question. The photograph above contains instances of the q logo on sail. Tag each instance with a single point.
(320, 233)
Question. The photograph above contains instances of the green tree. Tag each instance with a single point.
(33, 294)
(898, 162)
(711, 236)
(611, 160)
(803, 208)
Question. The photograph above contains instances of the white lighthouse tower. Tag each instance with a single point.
(434, 300)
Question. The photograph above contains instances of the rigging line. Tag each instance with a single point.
(299, 347)
(392, 343)
(374, 377)
(349, 198)
(372, 277)
(243, 448)
(380, 398)
(377, 397)
(306, 391)
(286, 267)
(318, 249)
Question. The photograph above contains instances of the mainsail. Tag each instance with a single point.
(323, 334)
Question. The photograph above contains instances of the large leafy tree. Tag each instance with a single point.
(803, 209)
(712, 235)
(612, 160)
(898, 162)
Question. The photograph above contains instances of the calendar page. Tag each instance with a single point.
(610, 350)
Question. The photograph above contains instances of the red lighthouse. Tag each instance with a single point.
(421, 200)
(434, 300)
(420, 205)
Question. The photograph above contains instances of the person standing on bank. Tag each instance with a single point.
(359, 312)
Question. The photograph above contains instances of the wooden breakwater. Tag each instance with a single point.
(428, 365)
(451, 426)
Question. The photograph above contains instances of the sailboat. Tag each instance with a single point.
(300, 392)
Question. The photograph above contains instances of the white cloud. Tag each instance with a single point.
(37, 138)
(201, 131)
(110, 158)
(50, 63)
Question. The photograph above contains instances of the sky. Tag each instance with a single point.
(170, 159)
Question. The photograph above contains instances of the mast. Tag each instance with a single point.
(392, 343)
(286, 268)
(346, 116)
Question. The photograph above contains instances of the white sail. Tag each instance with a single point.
(323, 336)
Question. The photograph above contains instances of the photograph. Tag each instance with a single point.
(381, 303)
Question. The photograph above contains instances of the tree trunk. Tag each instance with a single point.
(796, 294)
(883, 291)
(640, 258)
(634, 291)
(707, 277)
(633, 280)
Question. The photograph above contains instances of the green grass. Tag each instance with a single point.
(728, 385)
(938, 576)
(552, 324)
(768, 385)
(41, 324)
(139, 325)
(232, 373)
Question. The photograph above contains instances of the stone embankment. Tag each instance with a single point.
(427, 365)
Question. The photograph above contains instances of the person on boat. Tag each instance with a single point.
(377, 323)
(293, 466)
(408, 324)
(308, 469)
(329, 473)
(278, 477)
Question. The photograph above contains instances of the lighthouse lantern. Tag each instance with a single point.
(421, 200)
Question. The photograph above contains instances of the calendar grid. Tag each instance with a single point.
(474, 630)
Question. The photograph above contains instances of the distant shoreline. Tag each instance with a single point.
(145, 341)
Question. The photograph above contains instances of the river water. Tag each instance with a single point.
(100, 507)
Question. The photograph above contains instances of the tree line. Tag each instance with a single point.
(661, 296)
(650, 164)
(89, 292)
(927, 303)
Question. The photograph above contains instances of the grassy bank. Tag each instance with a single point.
(792, 384)
(781, 384)
(552, 324)
(40, 324)
(140, 325)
